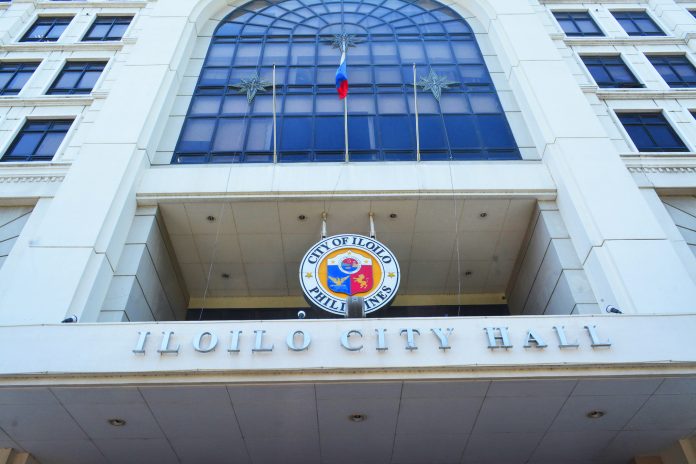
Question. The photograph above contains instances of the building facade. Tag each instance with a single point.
(168, 167)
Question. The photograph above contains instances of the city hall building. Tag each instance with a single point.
(485, 253)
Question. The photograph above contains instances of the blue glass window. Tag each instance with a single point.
(38, 140)
(46, 29)
(295, 36)
(107, 28)
(610, 72)
(577, 23)
(77, 77)
(637, 23)
(676, 70)
(13, 76)
(651, 132)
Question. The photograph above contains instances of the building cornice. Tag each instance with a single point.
(49, 100)
(579, 41)
(88, 4)
(633, 94)
(44, 47)
(32, 173)
(660, 163)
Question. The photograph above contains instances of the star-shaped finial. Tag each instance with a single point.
(308, 275)
(251, 85)
(435, 83)
(343, 40)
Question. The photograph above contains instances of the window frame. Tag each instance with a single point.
(17, 63)
(661, 30)
(600, 32)
(105, 38)
(637, 84)
(21, 129)
(51, 90)
(24, 37)
(687, 60)
(667, 123)
(491, 135)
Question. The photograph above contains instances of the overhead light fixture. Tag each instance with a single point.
(393, 215)
(595, 414)
(116, 422)
(357, 417)
(483, 215)
(468, 273)
(211, 218)
(301, 217)
(225, 275)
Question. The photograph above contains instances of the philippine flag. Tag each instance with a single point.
(342, 78)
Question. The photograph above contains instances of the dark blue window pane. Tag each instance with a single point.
(222, 126)
(13, 76)
(296, 134)
(46, 29)
(637, 23)
(461, 132)
(577, 24)
(651, 132)
(108, 28)
(495, 132)
(432, 133)
(610, 71)
(328, 133)
(196, 135)
(361, 133)
(37, 141)
(76, 77)
(260, 135)
(220, 54)
(676, 70)
(395, 132)
(229, 135)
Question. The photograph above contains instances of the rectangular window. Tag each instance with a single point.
(38, 140)
(76, 77)
(651, 132)
(676, 70)
(637, 23)
(46, 29)
(13, 76)
(106, 28)
(577, 24)
(610, 72)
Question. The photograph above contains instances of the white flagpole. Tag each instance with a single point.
(415, 107)
(345, 123)
(275, 152)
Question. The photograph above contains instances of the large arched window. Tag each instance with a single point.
(466, 123)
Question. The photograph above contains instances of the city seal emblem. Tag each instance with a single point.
(349, 265)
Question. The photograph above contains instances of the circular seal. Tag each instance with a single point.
(349, 265)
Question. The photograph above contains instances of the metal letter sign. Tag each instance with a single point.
(349, 265)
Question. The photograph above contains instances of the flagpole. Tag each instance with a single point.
(275, 152)
(415, 106)
(345, 123)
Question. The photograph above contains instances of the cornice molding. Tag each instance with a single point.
(662, 169)
(64, 100)
(88, 4)
(604, 41)
(32, 179)
(61, 47)
(638, 94)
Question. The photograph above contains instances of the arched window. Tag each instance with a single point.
(223, 125)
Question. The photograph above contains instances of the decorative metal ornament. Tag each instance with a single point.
(251, 85)
(344, 40)
(435, 83)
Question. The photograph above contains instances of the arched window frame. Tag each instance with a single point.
(467, 124)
